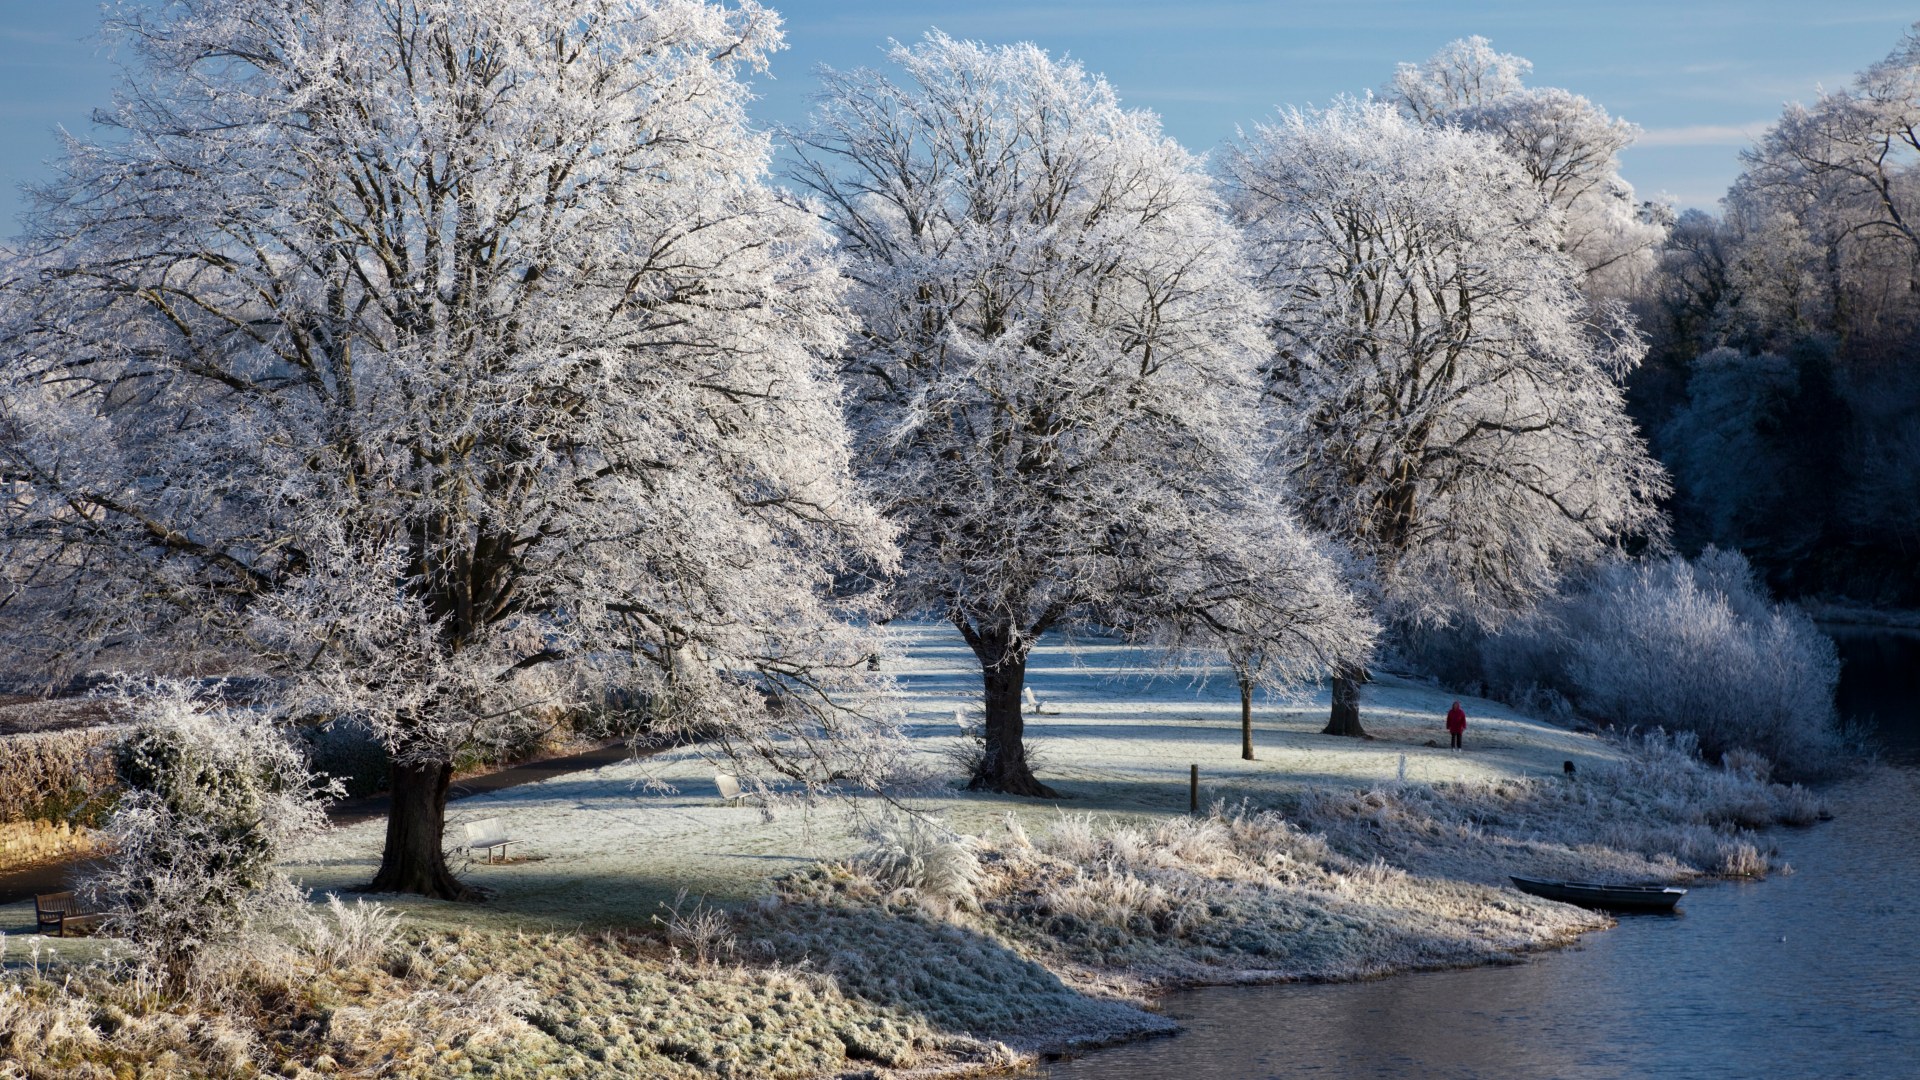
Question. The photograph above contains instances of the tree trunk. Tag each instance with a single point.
(1003, 768)
(1246, 717)
(1346, 705)
(414, 860)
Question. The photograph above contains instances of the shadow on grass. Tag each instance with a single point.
(952, 978)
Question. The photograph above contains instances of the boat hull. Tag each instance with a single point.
(1611, 897)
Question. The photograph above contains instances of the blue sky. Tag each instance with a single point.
(1701, 77)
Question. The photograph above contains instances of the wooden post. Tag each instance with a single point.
(1246, 716)
(1193, 790)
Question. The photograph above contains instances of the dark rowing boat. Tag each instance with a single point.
(1615, 897)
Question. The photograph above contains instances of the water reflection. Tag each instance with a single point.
(1814, 974)
(1880, 686)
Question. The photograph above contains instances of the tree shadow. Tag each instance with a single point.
(951, 977)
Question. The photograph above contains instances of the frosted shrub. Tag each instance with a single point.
(1748, 764)
(1798, 806)
(211, 796)
(912, 853)
(1676, 646)
(1698, 647)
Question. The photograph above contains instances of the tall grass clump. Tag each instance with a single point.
(923, 859)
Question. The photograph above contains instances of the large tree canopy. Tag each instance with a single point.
(1055, 384)
(1566, 146)
(1452, 402)
(413, 348)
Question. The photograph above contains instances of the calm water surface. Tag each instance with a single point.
(1813, 974)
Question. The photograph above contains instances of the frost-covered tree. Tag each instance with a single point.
(1726, 467)
(1452, 403)
(1218, 607)
(407, 349)
(1465, 73)
(1793, 318)
(1846, 170)
(1694, 280)
(1055, 385)
(1863, 139)
(1565, 144)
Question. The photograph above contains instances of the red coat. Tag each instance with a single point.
(1456, 719)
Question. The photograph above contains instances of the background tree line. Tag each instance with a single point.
(1780, 386)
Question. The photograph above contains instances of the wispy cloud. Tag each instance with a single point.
(1704, 134)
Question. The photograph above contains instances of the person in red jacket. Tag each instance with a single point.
(1456, 724)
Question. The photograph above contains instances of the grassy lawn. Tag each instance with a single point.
(607, 847)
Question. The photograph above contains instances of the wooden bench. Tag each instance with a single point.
(489, 834)
(56, 913)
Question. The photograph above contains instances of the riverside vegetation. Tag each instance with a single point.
(922, 948)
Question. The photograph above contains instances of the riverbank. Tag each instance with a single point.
(987, 931)
(1848, 613)
(1810, 974)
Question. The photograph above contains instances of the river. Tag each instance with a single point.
(1810, 974)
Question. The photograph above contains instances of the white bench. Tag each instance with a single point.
(488, 833)
(729, 786)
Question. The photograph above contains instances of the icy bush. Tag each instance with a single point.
(1673, 645)
(1698, 647)
(212, 795)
